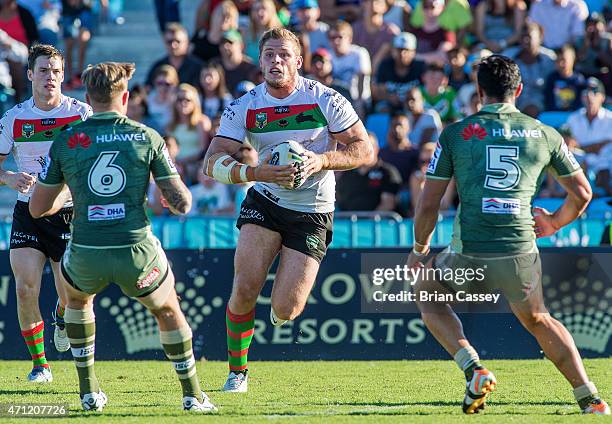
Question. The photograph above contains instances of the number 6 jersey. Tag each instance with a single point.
(107, 162)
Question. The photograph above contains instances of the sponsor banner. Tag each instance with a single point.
(334, 325)
(105, 212)
(501, 205)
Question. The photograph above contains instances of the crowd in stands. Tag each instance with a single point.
(407, 66)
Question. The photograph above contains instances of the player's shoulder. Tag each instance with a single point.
(18, 109)
(71, 104)
(317, 91)
(248, 99)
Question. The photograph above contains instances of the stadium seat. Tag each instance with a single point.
(554, 118)
(378, 123)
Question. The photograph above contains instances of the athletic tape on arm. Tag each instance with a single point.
(225, 169)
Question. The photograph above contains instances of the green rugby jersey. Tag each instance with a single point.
(498, 157)
(106, 162)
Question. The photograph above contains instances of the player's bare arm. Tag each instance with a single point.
(221, 166)
(426, 217)
(20, 181)
(579, 195)
(358, 152)
(48, 200)
(177, 195)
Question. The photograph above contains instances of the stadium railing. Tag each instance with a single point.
(351, 230)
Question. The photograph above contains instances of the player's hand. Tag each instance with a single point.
(278, 174)
(20, 181)
(415, 261)
(164, 202)
(544, 223)
(313, 163)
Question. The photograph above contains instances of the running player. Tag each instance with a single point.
(106, 162)
(295, 223)
(498, 157)
(28, 129)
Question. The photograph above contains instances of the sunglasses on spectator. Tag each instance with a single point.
(163, 83)
(172, 40)
(183, 99)
(335, 36)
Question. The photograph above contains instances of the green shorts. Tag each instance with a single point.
(517, 276)
(138, 269)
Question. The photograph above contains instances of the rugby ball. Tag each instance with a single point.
(290, 152)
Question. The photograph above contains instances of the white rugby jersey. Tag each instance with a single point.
(308, 116)
(28, 132)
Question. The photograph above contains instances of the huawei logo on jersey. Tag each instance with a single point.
(473, 130)
(79, 139)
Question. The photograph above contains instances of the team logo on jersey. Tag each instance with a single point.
(77, 139)
(281, 109)
(149, 279)
(473, 130)
(498, 205)
(27, 129)
(302, 117)
(105, 212)
(283, 123)
(261, 120)
(47, 122)
(431, 168)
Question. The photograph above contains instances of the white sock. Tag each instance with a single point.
(466, 357)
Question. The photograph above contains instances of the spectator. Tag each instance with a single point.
(215, 96)
(371, 187)
(437, 94)
(397, 73)
(398, 13)
(498, 24)
(206, 41)
(434, 41)
(373, 33)
(595, 48)
(308, 14)
(563, 86)
(138, 109)
(161, 98)
(425, 124)
(322, 70)
(473, 106)
(352, 65)
(399, 151)
(592, 124)
(47, 15)
(167, 11)
(77, 23)
(191, 128)
(19, 24)
(210, 197)
(536, 64)
(466, 93)
(11, 51)
(417, 179)
(561, 20)
(457, 59)
(237, 67)
(187, 65)
(262, 18)
(456, 17)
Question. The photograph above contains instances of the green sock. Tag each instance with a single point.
(240, 329)
(81, 330)
(177, 345)
(35, 340)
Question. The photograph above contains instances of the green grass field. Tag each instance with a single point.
(360, 392)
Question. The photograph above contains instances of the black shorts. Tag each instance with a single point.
(49, 234)
(306, 232)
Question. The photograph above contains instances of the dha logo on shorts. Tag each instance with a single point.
(27, 129)
(105, 212)
(149, 279)
(312, 242)
(501, 206)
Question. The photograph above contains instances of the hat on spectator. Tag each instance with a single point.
(306, 4)
(322, 52)
(595, 17)
(405, 40)
(232, 36)
(594, 85)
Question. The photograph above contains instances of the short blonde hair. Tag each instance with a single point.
(280, 34)
(107, 80)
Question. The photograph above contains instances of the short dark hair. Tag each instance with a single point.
(498, 76)
(566, 48)
(43, 50)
